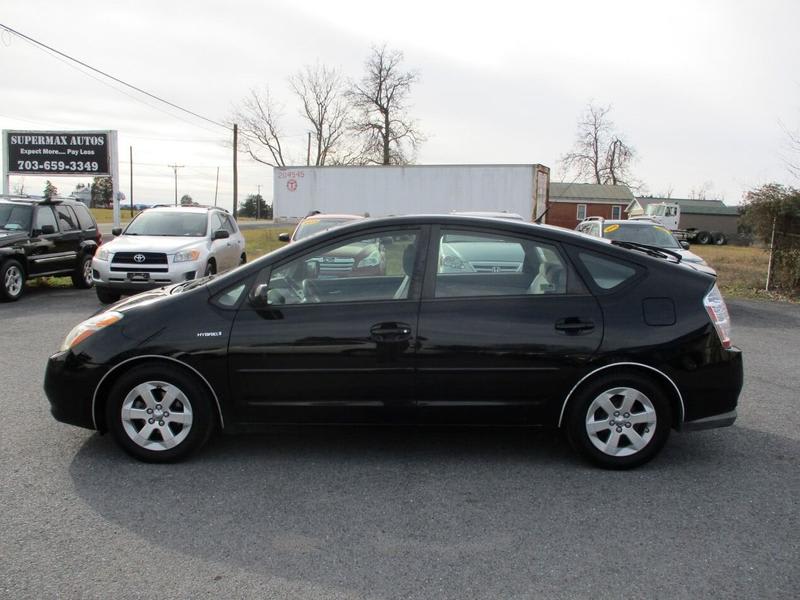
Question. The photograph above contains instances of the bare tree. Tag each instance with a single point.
(321, 93)
(600, 155)
(380, 101)
(259, 118)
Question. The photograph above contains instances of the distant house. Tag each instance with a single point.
(571, 203)
(704, 215)
(83, 195)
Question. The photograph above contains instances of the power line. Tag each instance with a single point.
(104, 74)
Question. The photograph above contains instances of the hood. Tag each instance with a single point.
(152, 243)
(9, 238)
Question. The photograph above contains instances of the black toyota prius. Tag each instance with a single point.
(467, 321)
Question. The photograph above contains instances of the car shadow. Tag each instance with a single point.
(390, 512)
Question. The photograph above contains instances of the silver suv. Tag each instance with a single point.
(167, 245)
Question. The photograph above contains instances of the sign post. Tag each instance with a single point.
(64, 154)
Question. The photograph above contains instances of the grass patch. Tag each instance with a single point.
(106, 215)
(259, 242)
(741, 271)
(50, 282)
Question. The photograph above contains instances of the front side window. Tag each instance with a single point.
(15, 217)
(482, 264)
(581, 212)
(377, 267)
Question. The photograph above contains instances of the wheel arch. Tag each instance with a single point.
(673, 393)
(108, 380)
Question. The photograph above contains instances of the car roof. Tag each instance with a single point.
(185, 209)
(335, 216)
(32, 201)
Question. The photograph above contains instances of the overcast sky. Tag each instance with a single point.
(700, 89)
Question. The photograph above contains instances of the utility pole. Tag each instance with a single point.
(235, 168)
(258, 203)
(308, 151)
(175, 170)
(131, 152)
(216, 188)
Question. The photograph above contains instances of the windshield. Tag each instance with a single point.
(14, 217)
(176, 224)
(311, 226)
(652, 235)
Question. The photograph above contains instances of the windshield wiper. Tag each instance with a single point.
(648, 249)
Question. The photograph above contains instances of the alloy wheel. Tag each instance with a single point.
(621, 421)
(156, 415)
(13, 281)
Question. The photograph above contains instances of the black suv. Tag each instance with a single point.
(45, 237)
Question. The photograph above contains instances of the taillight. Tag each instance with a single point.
(718, 312)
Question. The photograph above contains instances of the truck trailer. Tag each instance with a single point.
(419, 189)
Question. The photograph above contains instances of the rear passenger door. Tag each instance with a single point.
(505, 328)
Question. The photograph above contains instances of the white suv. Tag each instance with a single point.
(167, 245)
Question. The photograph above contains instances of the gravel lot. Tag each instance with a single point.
(406, 513)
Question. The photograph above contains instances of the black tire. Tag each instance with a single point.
(82, 277)
(719, 238)
(243, 259)
(648, 417)
(192, 403)
(107, 296)
(12, 280)
(703, 237)
(211, 268)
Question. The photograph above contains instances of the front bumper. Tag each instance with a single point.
(69, 384)
(131, 281)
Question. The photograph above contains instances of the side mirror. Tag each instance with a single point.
(221, 234)
(48, 229)
(283, 237)
(116, 231)
(260, 295)
(684, 245)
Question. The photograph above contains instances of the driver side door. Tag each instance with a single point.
(331, 341)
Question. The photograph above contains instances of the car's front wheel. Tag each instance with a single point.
(12, 278)
(159, 414)
(619, 421)
(82, 277)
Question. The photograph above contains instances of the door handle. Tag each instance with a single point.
(574, 326)
(390, 332)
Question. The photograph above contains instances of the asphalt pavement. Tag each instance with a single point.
(398, 513)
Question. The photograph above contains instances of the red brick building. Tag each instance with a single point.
(571, 203)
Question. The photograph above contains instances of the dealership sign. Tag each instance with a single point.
(58, 152)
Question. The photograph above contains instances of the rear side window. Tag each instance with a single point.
(44, 216)
(605, 272)
(84, 217)
(66, 218)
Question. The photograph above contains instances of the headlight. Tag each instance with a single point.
(373, 260)
(83, 330)
(102, 253)
(186, 255)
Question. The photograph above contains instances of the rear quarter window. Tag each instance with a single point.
(84, 217)
(606, 273)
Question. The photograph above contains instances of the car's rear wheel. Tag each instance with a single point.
(107, 296)
(720, 239)
(619, 421)
(82, 277)
(12, 278)
(159, 414)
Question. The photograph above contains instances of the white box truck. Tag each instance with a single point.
(418, 189)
